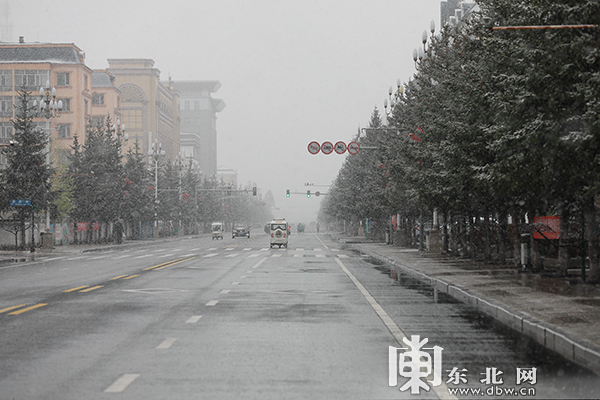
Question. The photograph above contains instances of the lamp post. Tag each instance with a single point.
(179, 164)
(120, 134)
(394, 97)
(48, 108)
(154, 153)
(422, 52)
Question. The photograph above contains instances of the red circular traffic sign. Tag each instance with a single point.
(314, 147)
(340, 147)
(317, 193)
(327, 147)
(353, 147)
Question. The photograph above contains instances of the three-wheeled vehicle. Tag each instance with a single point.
(279, 230)
(217, 230)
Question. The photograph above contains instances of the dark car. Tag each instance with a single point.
(240, 229)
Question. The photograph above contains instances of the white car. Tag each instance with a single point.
(279, 233)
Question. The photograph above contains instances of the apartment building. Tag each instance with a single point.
(106, 101)
(149, 108)
(29, 66)
(198, 110)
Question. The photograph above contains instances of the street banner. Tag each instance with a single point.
(546, 227)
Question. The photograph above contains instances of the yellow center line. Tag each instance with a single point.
(75, 289)
(11, 308)
(129, 277)
(160, 265)
(175, 262)
(21, 311)
(90, 289)
(118, 277)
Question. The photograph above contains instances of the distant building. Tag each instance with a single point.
(29, 66)
(106, 99)
(149, 108)
(198, 112)
(227, 176)
(454, 11)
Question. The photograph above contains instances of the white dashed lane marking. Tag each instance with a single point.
(165, 344)
(122, 383)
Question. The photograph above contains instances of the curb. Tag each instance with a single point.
(549, 336)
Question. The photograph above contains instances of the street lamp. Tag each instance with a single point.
(48, 108)
(421, 52)
(393, 101)
(154, 153)
(120, 132)
(179, 163)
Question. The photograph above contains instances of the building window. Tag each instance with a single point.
(6, 106)
(98, 121)
(31, 80)
(62, 79)
(133, 119)
(98, 99)
(85, 107)
(196, 104)
(64, 131)
(66, 104)
(6, 81)
(6, 132)
(187, 105)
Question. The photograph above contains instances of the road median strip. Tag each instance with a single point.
(91, 288)
(75, 289)
(21, 311)
(168, 264)
(11, 308)
(174, 262)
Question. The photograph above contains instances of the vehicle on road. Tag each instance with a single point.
(240, 229)
(279, 232)
(217, 230)
(300, 227)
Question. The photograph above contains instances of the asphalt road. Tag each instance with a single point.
(231, 319)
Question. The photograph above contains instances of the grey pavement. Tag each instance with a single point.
(559, 313)
(11, 256)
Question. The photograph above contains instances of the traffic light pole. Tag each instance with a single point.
(308, 193)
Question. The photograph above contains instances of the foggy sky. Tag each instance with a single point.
(292, 71)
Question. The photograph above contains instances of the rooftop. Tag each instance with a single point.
(66, 53)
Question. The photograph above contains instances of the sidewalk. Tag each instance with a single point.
(558, 313)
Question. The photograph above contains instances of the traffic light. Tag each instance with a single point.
(308, 194)
(254, 191)
(287, 193)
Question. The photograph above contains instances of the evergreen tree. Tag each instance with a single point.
(138, 200)
(26, 175)
(98, 174)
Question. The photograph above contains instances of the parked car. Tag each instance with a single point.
(240, 229)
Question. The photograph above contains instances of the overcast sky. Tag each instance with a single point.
(292, 71)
